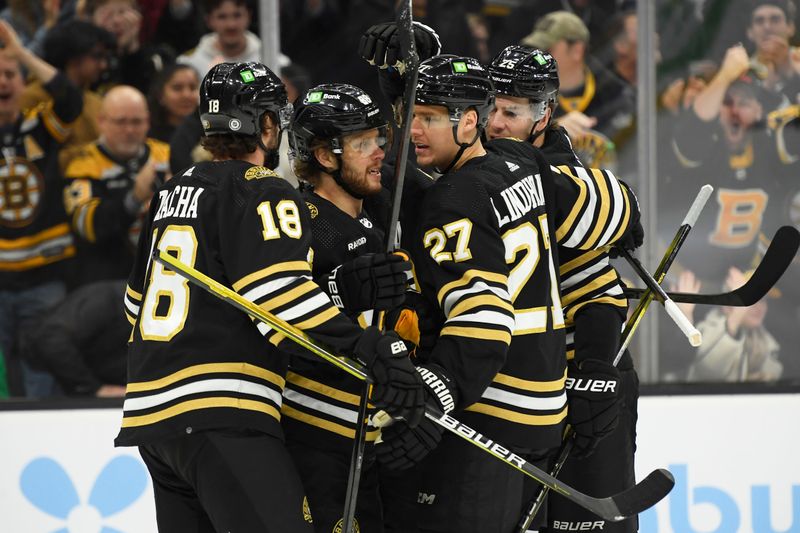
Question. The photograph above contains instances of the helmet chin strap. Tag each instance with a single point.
(461, 148)
(533, 135)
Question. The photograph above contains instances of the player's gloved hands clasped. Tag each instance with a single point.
(402, 446)
(397, 387)
(593, 395)
(380, 44)
(370, 281)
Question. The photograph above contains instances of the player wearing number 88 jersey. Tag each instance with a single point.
(487, 262)
(204, 394)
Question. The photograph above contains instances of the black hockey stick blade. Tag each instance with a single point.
(780, 254)
(646, 493)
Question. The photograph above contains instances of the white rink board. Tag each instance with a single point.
(81, 442)
(735, 459)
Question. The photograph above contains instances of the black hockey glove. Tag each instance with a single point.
(593, 394)
(401, 446)
(370, 281)
(398, 389)
(634, 237)
(380, 45)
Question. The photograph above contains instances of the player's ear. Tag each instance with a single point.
(469, 120)
(326, 158)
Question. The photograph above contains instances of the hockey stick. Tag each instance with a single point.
(776, 260)
(408, 50)
(614, 508)
(674, 312)
(630, 327)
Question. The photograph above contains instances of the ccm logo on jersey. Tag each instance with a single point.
(591, 385)
(578, 526)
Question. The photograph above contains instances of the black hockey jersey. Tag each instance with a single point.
(484, 254)
(320, 401)
(586, 276)
(106, 227)
(195, 362)
(35, 238)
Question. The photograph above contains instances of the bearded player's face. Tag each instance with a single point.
(362, 155)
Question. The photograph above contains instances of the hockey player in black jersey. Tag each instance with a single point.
(204, 382)
(594, 306)
(338, 139)
(484, 259)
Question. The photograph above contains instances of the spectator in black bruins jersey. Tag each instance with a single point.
(724, 140)
(204, 382)
(595, 106)
(110, 184)
(594, 305)
(485, 264)
(338, 139)
(35, 239)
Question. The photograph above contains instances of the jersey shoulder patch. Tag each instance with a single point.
(258, 172)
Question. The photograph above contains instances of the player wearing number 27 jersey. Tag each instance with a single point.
(486, 258)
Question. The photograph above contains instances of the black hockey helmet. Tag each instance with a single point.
(331, 112)
(525, 72)
(234, 96)
(457, 83)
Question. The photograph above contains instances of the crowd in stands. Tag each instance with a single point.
(98, 103)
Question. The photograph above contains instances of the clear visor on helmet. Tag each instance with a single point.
(364, 143)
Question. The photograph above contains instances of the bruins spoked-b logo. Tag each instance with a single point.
(339, 527)
(21, 191)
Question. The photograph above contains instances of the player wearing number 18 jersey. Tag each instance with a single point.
(485, 256)
(204, 394)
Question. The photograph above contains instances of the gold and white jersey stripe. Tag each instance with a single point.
(236, 385)
(526, 402)
(323, 406)
(601, 213)
(478, 306)
(287, 290)
(32, 251)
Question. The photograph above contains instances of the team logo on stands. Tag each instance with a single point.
(21, 192)
(47, 486)
(339, 527)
